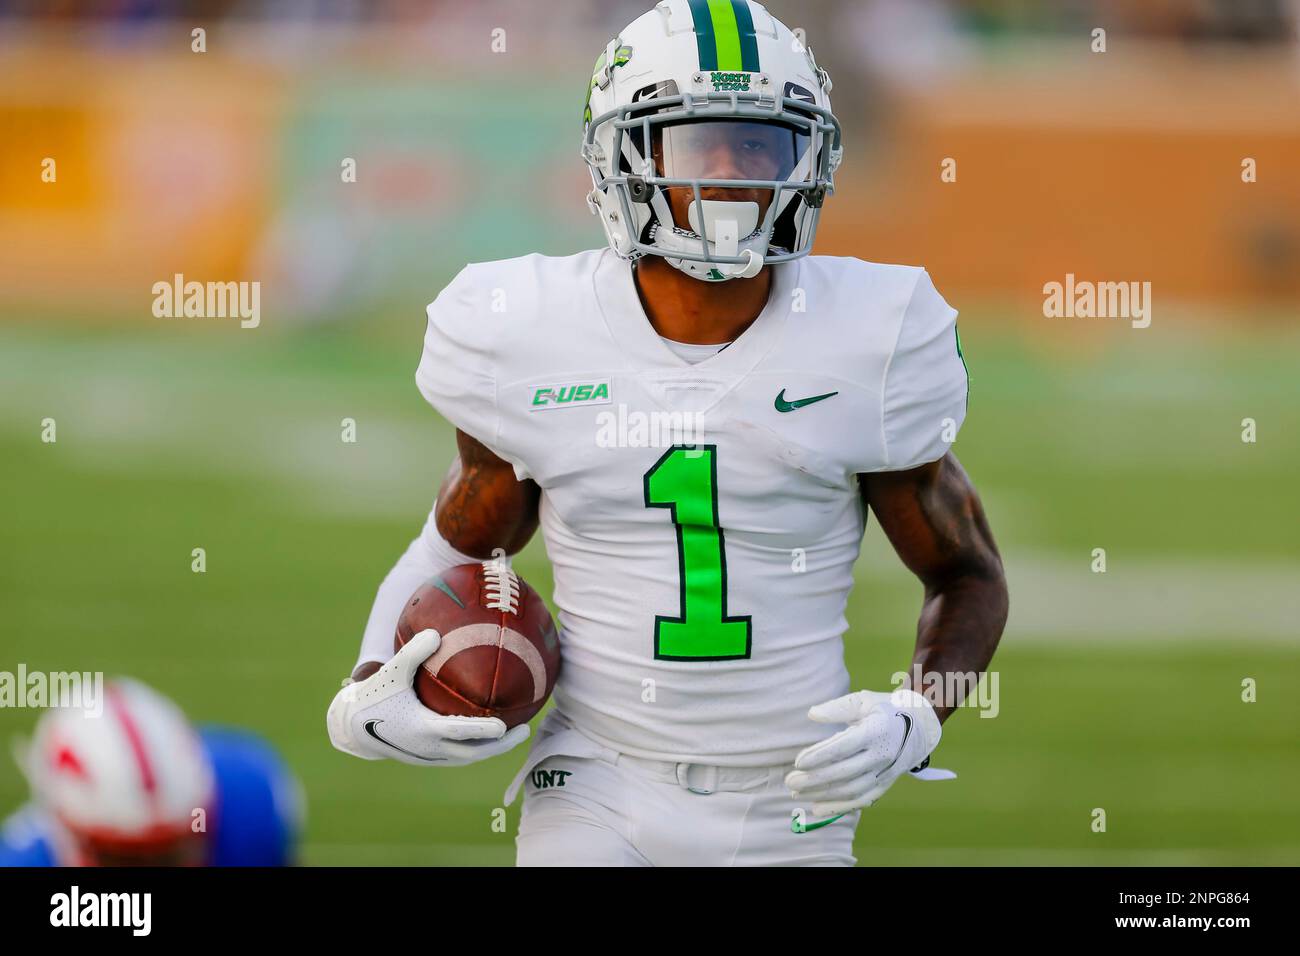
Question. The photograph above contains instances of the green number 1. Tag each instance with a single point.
(685, 481)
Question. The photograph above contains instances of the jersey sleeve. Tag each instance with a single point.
(926, 385)
(457, 371)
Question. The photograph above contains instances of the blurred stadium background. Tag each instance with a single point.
(1119, 690)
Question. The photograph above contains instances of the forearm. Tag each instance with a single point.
(429, 555)
(959, 629)
(936, 523)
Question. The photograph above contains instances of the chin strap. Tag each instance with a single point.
(750, 269)
(727, 225)
(720, 272)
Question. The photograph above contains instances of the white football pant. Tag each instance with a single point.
(588, 805)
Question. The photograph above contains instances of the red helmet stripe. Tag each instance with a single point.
(117, 704)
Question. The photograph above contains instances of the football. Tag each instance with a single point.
(500, 653)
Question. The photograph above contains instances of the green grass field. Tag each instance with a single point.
(1119, 690)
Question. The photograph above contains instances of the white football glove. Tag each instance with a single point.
(888, 735)
(381, 716)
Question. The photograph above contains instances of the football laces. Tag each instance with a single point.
(501, 587)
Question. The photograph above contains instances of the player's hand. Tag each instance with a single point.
(888, 735)
(381, 717)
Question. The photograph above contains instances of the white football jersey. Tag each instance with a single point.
(702, 519)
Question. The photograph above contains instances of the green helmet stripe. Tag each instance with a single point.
(748, 41)
(704, 39)
(724, 35)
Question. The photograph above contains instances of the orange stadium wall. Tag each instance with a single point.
(1124, 176)
(153, 175)
(1132, 172)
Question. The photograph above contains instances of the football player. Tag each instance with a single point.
(132, 783)
(703, 703)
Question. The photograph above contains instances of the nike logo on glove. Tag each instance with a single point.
(907, 732)
(370, 729)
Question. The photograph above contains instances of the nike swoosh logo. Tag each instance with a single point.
(797, 827)
(445, 588)
(370, 729)
(907, 732)
(783, 406)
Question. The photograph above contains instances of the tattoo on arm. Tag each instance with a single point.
(482, 505)
(933, 517)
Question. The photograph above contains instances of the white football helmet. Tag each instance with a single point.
(122, 781)
(702, 95)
